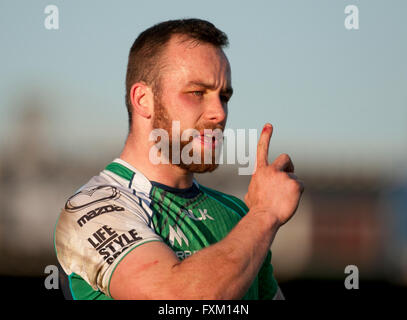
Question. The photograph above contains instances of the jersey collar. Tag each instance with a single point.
(133, 177)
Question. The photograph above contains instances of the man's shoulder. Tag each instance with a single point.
(102, 195)
(107, 187)
(227, 199)
(98, 225)
(89, 196)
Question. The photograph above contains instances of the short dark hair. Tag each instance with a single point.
(147, 49)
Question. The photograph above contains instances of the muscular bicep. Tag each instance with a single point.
(147, 272)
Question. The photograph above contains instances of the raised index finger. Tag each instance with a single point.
(263, 145)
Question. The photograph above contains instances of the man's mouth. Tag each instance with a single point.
(207, 140)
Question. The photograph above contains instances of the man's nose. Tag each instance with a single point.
(217, 110)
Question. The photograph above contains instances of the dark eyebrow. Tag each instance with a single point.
(228, 90)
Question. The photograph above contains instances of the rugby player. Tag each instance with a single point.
(140, 230)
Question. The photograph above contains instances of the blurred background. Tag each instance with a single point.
(337, 99)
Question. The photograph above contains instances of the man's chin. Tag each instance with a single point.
(198, 168)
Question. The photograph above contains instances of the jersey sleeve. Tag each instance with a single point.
(268, 285)
(97, 227)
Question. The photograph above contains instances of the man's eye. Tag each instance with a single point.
(198, 93)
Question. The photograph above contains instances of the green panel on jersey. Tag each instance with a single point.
(191, 224)
(238, 205)
(81, 290)
(120, 170)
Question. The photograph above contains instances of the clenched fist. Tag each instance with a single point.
(274, 189)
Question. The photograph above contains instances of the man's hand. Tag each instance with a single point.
(274, 188)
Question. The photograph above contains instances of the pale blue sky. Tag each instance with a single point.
(332, 94)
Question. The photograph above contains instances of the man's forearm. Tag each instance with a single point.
(226, 269)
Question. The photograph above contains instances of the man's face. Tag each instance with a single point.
(195, 86)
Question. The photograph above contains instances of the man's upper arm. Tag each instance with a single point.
(145, 273)
(96, 230)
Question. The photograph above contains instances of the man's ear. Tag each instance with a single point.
(142, 99)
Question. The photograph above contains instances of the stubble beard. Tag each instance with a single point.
(162, 120)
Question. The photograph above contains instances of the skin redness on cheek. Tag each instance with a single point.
(188, 99)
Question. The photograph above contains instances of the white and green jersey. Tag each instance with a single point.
(120, 209)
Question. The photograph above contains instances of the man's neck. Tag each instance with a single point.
(167, 174)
